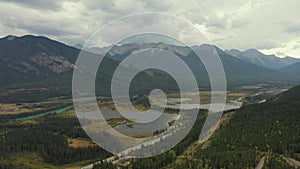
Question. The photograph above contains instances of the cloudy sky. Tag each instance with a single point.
(272, 26)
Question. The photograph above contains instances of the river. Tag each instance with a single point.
(61, 110)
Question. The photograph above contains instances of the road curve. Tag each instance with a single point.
(261, 163)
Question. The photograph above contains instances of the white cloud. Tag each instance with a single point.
(268, 25)
(41, 5)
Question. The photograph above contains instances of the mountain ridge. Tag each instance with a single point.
(34, 58)
(268, 61)
(291, 70)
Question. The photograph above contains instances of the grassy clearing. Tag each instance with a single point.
(242, 94)
(80, 142)
(14, 109)
(137, 136)
(30, 160)
(250, 87)
(34, 161)
(115, 121)
(68, 114)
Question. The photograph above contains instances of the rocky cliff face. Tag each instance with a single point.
(31, 56)
(56, 64)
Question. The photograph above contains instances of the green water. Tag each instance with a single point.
(46, 113)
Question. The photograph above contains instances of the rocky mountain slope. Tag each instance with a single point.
(258, 58)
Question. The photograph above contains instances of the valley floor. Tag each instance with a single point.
(68, 146)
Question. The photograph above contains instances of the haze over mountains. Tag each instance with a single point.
(29, 59)
(291, 70)
(258, 58)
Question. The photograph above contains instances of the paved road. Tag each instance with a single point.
(261, 163)
(292, 162)
(125, 155)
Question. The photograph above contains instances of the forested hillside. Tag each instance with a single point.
(48, 139)
(270, 129)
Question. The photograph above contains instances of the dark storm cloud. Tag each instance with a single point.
(46, 30)
(36, 4)
(230, 24)
(157, 5)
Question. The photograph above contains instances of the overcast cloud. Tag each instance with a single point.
(272, 26)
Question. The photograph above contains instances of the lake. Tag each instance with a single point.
(134, 128)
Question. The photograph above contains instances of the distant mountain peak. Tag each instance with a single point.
(32, 56)
(78, 46)
(252, 50)
(25, 37)
(254, 56)
(35, 58)
(9, 37)
(233, 52)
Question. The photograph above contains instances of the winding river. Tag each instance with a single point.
(61, 110)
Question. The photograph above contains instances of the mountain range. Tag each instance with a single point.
(268, 61)
(42, 62)
(291, 70)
